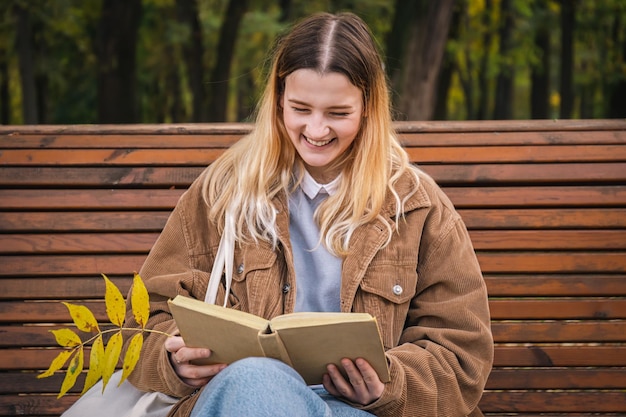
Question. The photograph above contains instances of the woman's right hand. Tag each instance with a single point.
(180, 357)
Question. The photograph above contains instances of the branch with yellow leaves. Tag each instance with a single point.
(102, 359)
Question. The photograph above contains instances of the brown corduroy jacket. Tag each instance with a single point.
(435, 324)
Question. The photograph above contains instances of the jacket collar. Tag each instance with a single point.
(407, 186)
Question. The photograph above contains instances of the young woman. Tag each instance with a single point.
(327, 214)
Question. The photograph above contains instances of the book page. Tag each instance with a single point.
(240, 317)
(305, 319)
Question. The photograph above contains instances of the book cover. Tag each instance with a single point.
(305, 341)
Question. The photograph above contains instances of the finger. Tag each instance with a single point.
(180, 353)
(354, 377)
(191, 354)
(174, 343)
(375, 386)
(186, 355)
(360, 388)
(368, 373)
(179, 357)
(341, 385)
(198, 376)
(329, 385)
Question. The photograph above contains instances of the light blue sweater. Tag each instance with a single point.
(318, 273)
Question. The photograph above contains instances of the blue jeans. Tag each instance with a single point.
(267, 387)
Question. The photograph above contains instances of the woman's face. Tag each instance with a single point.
(322, 115)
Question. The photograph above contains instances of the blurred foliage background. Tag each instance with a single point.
(179, 61)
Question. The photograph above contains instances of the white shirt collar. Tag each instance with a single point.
(312, 188)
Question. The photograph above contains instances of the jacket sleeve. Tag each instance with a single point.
(445, 353)
(175, 265)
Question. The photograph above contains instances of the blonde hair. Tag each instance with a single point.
(261, 165)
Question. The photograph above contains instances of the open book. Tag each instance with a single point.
(305, 341)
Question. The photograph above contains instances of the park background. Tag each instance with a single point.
(184, 61)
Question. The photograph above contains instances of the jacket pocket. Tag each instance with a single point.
(254, 273)
(386, 293)
(250, 259)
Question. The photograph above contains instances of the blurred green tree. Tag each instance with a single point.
(178, 61)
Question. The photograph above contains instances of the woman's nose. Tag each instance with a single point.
(317, 128)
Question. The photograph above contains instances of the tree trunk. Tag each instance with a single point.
(225, 50)
(193, 53)
(617, 89)
(483, 79)
(5, 102)
(396, 44)
(116, 47)
(42, 81)
(286, 11)
(425, 49)
(586, 101)
(245, 99)
(24, 45)
(540, 75)
(617, 101)
(503, 106)
(173, 91)
(467, 85)
(443, 88)
(448, 68)
(568, 19)
(466, 78)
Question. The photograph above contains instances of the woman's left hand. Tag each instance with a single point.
(363, 386)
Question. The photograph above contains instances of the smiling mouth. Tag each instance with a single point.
(319, 144)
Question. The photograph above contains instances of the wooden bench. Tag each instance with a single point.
(545, 202)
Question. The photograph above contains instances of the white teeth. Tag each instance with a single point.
(322, 143)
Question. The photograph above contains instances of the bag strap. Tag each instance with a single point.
(223, 261)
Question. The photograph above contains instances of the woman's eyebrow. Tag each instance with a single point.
(295, 101)
(334, 107)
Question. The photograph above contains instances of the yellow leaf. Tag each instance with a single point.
(83, 318)
(140, 301)
(132, 356)
(111, 357)
(115, 304)
(57, 363)
(73, 370)
(66, 337)
(96, 363)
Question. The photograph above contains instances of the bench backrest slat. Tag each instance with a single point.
(544, 203)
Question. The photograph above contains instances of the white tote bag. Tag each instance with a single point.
(122, 401)
(128, 401)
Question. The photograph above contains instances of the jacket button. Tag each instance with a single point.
(240, 268)
(286, 288)
(397, 289)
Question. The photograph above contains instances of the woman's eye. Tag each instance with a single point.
(300, 109)
(338, 114)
